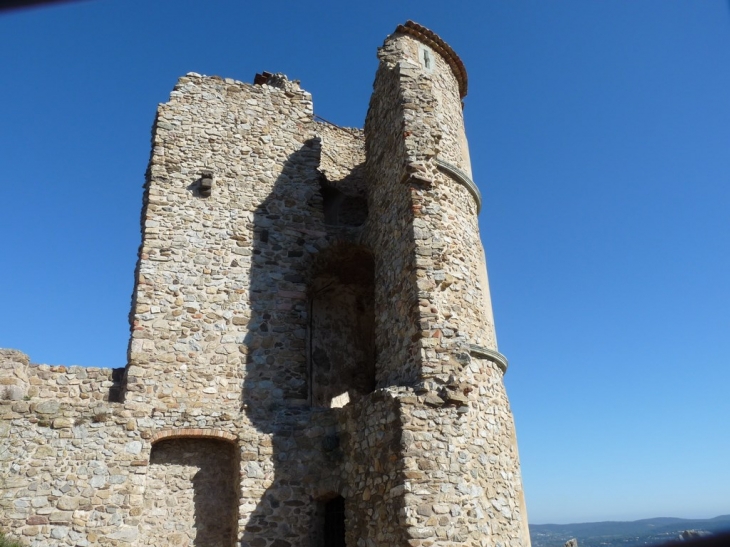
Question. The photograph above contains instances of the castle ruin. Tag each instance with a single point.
(312, 359)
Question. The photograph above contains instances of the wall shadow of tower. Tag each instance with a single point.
(275, 388)
(310, 350)
(209, 465)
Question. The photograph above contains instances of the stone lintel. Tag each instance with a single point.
(194, 432)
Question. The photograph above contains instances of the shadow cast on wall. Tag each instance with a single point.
(191, 480)
(310, 340)
(276, 389)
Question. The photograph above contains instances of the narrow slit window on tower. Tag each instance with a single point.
(426, 58)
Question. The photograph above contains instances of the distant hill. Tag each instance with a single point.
(623, 534)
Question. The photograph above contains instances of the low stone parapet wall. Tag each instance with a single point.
(22, 380)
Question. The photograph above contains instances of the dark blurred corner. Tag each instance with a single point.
(714, 540)
(7, 5)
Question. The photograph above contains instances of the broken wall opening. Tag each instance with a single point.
(342, 327)
(340, 208)
(191, 494)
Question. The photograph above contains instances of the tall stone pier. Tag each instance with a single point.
(312, 361)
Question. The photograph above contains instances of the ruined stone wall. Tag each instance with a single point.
(19, 380)
(372, 476)
(343, 182)
(342, 160)
(219, 275)
(73, 463)
(71, 467)
(288, 267)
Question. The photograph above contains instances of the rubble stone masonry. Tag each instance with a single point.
(312, 359)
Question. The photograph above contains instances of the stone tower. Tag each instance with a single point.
(312, 359)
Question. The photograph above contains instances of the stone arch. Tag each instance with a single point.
(192, 485)
(194, 432)
(341, 334)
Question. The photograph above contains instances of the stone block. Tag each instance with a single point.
(47, 407)
(62, 423)
(67, 503)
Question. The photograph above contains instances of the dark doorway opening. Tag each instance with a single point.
(334, 522)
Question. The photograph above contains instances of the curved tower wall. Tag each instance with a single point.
(460, 463)
(424, 221)
(391, 227)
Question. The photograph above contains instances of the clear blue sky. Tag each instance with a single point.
(600, 138)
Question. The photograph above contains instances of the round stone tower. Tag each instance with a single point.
(434, 323)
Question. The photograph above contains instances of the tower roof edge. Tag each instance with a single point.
(435, 42)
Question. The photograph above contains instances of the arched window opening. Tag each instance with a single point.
(342, 328)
